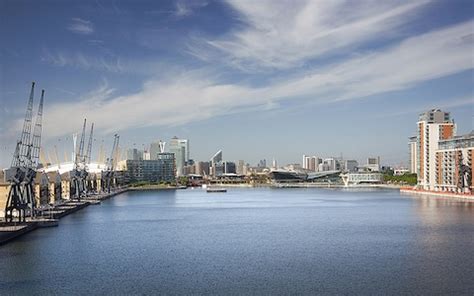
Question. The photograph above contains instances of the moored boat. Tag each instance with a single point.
(212, 190)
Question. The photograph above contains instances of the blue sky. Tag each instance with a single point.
(257, 79)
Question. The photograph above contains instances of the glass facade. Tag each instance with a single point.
(160, 170)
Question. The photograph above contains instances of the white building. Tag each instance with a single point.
(361, 178)
(413, 155)
(373, 164)
(400, 171)
(433, 126)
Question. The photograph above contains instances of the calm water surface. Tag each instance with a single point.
(250, 241)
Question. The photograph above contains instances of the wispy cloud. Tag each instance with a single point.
(168, 101)
(285, 34)
(107, 61)
(81, 26)
(66, 91)
(82, 61)
(182, 9)
(185, 8)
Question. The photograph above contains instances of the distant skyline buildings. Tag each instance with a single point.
(218, 166)
(316, 164)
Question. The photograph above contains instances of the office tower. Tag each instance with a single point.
(215, 163)
(229, 167)
(245, 169)
(433, 126)
(134, 154)
(154, 150)
(240, 167)
(184, 143)
(351, 165)
(180, 148)
(217, 157)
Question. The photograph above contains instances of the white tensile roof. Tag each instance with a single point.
(93, 167)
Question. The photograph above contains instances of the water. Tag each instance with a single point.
(250, 241)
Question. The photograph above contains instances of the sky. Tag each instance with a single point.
(257, 79)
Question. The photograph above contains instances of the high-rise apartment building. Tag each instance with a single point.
(311, 163)
(433, 126)
(455, 164)
(412, 154)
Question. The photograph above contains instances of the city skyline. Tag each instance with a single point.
(142, 72)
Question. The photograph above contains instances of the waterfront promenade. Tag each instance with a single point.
(444, 194)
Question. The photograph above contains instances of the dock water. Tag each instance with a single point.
(49, 217)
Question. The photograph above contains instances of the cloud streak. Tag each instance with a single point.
(82, 61)
(190, 97)
(81, 26)
(186, 8)
(286, 34)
